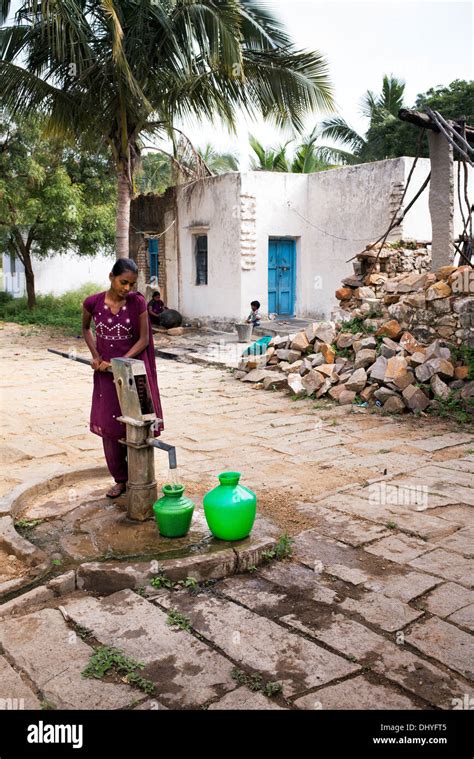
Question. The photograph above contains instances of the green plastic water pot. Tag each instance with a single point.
(173, 512)
(230, 508)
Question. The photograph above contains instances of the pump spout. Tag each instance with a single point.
(170, 449)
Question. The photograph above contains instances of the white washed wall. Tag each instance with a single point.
(59, 274)
(332, 215)
(211, 206)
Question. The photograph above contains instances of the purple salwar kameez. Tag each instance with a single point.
(115, 335)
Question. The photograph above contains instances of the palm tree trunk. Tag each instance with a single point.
(123, 216)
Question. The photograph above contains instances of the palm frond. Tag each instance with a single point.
(368, 104)
(5, 6)
(393, 90)
(336, 128)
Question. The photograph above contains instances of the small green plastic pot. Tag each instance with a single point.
(230, 508)
(173, 512)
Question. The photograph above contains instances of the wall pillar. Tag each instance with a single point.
(441, 200)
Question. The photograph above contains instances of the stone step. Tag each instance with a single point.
(14, 692)
(260, 644)
(243, 699)
(358, 693)
(445, 643)
(187, 673)
(53, 657)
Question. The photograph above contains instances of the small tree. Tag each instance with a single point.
(53, 198)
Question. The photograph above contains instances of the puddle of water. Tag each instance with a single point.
(94, 529)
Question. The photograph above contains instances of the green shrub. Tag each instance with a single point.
(62, 312)
(466, 356)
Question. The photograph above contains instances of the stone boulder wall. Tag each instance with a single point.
(404, 342)
(399, 285)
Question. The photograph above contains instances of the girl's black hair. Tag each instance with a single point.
(122, 265)
(157, 292)
(255, 303)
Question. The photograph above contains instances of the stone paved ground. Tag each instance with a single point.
(375, 609)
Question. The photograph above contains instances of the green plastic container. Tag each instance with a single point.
(230, 508)
(173, 512)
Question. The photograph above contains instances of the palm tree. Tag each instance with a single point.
(268, 159)
(310, 157)
(113, 71)
(307, 158)
(153, 173)
(379, 109)
(218, 163)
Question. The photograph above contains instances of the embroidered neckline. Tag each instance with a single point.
(122, 308)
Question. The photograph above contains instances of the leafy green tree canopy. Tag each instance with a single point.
(53, 197)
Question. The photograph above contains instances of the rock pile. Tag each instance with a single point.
(428, 304)
(412, 354)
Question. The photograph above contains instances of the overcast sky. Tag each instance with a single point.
(425, 43)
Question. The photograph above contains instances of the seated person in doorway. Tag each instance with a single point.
(254, 315)
(155, 308)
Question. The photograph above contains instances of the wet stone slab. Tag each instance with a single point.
(406, 586)
(243, 699)
(418, 676)
(399, 548)
(356, 693)
(344, 635)
(256, 594)
(187, 673)
(260, 644)
(446, 643)
(337, 559)
(390, 614)
(290, 576)
(53, 656)
(272, 600)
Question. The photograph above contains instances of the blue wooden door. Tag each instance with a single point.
(281, 277)
(153, 253)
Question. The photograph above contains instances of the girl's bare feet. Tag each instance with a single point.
(116, 490)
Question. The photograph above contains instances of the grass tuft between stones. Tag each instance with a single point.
(282, 550)
(110, 661)
(255, 682)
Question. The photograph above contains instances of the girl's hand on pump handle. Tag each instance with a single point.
(96, 362)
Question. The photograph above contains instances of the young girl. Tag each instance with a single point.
(122, 331)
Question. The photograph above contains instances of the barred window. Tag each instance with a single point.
(201, 259)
